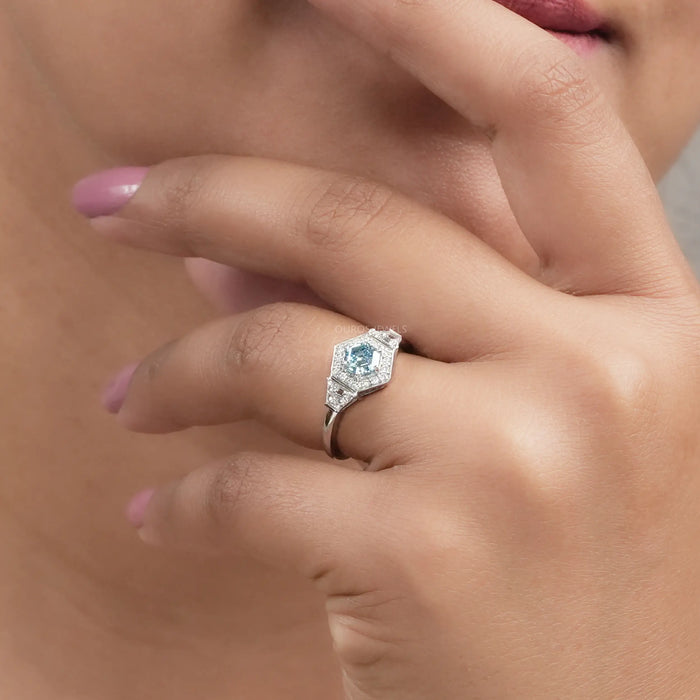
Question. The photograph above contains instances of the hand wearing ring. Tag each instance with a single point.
(533, 465)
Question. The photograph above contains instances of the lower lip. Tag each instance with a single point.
(582, 44)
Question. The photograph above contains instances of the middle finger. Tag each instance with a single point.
(370, 252)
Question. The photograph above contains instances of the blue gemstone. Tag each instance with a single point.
(361, 359)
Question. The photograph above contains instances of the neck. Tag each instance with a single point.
(87, 611)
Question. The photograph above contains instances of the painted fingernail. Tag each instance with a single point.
(106, 192)
(115, 392)
(136, 509)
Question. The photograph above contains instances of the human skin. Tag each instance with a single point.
(88, 593)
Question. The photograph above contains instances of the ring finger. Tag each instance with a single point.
(271, 364)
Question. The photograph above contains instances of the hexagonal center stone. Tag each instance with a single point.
(361, 359)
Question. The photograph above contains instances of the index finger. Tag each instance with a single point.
(573, 176)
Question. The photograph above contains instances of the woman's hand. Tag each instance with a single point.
(528, 523)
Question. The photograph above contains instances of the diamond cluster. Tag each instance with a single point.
(360, 366)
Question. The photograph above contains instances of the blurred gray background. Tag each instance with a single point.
(680, 190)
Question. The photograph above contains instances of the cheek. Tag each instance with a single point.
(270, 77)
(118, 69)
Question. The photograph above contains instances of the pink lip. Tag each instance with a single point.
(571, 16)
(582, 44)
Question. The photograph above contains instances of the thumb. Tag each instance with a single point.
(288, 512)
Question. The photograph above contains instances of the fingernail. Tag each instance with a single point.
(106, 192)
(136, 509)
(114, 393)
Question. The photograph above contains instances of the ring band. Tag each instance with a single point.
(360, 366)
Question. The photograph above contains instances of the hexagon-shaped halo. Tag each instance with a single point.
(373, 380)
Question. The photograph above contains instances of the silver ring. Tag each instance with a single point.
(360, 366)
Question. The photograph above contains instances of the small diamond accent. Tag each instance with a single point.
(338, 396)
(388, 337)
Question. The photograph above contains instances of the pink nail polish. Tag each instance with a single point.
(136, 509)
(106, 192)
(115, 392)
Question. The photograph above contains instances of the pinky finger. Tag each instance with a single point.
(288, 512)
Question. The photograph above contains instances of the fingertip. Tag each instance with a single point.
(114, 393)
(106, 192)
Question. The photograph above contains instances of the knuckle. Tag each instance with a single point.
(623, 382)
(253, 343)
(229, 487)
(555, 87)
(616, 396)
(346, 209)
(632, 447)
(186, 185)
